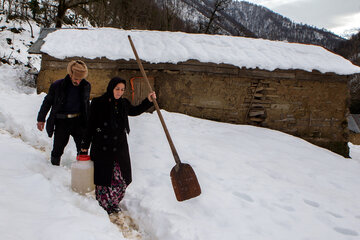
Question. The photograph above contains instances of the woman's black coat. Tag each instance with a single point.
(107, 135)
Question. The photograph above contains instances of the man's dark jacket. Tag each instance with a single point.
(55, 99)
(107, 134)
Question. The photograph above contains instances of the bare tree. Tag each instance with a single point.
(34, 8)
(170, 12)
(64, 5)
(218, 6)
(9, 9)
(99, 13)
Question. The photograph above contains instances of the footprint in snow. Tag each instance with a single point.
(346, 231)
(126, 224)
(335, 215)
(311, 203)
(243, 196)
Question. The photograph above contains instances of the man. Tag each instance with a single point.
(68, 100)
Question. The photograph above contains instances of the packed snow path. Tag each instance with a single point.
(126, 224)
(32, 205)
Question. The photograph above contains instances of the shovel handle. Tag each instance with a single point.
(172, 146)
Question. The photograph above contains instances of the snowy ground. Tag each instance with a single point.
(14, 46)
(257, 183)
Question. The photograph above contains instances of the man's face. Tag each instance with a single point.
(75, 81)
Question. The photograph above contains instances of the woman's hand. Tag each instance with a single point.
(152, 96)
(83, 150)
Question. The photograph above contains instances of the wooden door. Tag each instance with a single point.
(140, 89)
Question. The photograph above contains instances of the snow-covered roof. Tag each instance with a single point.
(175, 47)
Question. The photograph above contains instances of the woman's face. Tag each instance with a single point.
(119, 90)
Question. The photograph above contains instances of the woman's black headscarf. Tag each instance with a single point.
(112, 84)
(117, 114)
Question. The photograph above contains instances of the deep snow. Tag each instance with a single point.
(256, 183)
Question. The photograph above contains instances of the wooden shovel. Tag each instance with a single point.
(182, 175)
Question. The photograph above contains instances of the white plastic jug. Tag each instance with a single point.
(82, 175)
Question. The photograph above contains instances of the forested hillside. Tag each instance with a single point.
(247, 19)
(350, 49)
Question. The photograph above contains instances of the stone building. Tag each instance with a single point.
(294, 88)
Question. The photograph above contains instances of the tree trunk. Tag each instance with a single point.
(219, 5)
(9, 10)
(32, 33)
(60, 13)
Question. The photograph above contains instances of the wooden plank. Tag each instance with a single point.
(267, 105)
(258, 95)
(262, 101)
(270, 89)
(255, 119)
(260, 89)
(264, 76)
(256, 113)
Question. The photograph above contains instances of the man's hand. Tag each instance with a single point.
(40, 125)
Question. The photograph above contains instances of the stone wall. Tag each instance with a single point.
(309, 105)
(312, 106)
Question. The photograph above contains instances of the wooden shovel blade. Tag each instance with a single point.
(184, 182)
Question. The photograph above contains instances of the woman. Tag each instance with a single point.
(107, 128)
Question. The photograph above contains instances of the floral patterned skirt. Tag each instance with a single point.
(109, 197)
